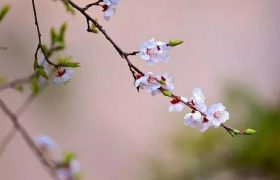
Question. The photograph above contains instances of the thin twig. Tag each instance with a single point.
(40, 46)
(16, 82)
(92, 4)
(27, 138)
(6, 140)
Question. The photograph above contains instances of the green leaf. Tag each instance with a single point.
(62, 31)
(54, 35)
(67, 62)
(41, 71)
(59, 46)
(68, 7)
(35, 64)
(175, 42)
(94, 29)
(5, 9)
(35, 85)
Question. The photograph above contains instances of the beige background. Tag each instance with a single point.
(99, 114)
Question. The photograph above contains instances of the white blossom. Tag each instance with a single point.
(196, 120)
(149, 83)
(198, 100)
(109, 8)
(44, 142)
(154, 51)
(152, 83)
(217, 114)
(176, 104)
(166, 81)
(70, 171)
(63, 76)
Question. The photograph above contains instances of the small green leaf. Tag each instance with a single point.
(35, 85)
(54, 35)
(175, 42)
(62, 31)
(5, 9)
(35, 64)
(67, 62)
(94, 29)
(41, 71)
(59, 46)
(68, 7)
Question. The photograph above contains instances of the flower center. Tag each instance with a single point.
(217, 114)
(60, 72)
(149, 51)
(175, 101)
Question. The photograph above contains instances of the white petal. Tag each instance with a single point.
(171, 108)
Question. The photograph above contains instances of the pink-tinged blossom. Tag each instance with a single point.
(196, 120)
(148, 83)
(176, 104)
(63, 76)
(166, 81)
(109, 8)
(217, 114)
(154, 51)
(70, 171)
(198, 100)
(152, 83)
(44, 143)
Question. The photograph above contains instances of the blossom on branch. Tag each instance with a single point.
(69, 171)
(198, 100)
(148, 83)
(68, 168)
(217, 114)
(154, 51)
(63, 76)
(152, 83)
(109, 8)
(195, 120)
(166, 81)
(176, 104)
(44, 143)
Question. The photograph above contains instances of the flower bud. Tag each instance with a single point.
(166, 93)
(175, 42)
(250, 131)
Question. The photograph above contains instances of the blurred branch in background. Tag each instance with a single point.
(212, 156)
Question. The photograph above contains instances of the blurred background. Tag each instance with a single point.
(231, 51)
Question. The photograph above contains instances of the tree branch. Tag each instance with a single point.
(27, 139)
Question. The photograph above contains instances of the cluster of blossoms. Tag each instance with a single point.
(202, 116)
(67, 168)
(156, 51)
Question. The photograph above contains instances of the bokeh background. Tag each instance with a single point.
(231, 51)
